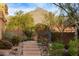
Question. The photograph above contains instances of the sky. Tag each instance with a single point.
(27, 7)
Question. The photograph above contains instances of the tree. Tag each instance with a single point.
(49, 19)
(27, 22)
(14, 21)
(43, 32)
(71, 11)
(21, 20)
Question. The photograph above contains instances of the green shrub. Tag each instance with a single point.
(57, 52)
(15, 40)
(5, 44)
(8, 35)
(73, 49)
(23, 38)
(56, 45)
(56, 49)
(28, 34)
(73, 43)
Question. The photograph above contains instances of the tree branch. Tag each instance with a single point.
(61, 7)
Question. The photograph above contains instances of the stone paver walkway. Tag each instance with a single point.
(30, 48)
(4, 52)
(27, 48)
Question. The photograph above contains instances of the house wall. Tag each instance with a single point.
(1, 28)
(3, 13)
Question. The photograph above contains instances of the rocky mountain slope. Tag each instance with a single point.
(39, 15)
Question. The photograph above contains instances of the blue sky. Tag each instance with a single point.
(27, 7)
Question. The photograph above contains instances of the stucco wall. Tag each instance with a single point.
(1, 28)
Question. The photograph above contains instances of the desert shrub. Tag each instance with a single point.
(4, 44)
(57, 45)
(23, 38)
(56, 49)
(8, 35)
(43, 42)
(15, 40)
(73, 49)
(28, 34)
(57, 52)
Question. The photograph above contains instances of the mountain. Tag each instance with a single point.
(39, 15)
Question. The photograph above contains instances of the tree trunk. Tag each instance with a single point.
(76, 32)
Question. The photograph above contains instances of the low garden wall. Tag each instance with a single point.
(66, 36)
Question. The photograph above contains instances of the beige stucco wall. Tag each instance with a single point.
(1, 28)
(4, 8)
(3, 13)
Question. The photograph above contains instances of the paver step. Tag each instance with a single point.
(33, 49)
(4, 52)
(31, 52)
(30, 42)
(30, 48)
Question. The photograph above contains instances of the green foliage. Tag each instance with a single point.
(13, 38)
(57, 52)
(41, 27)
(20, 20)
(57, 45)
(43, 41)
(56, 49)
(73, 49)
(23, 38)
(49, 19)
(28, 34)
(8, 35)
(73, 43)
(70, 10)
(27, 22)
(4, 44)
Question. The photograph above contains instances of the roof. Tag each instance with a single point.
(68, 29)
